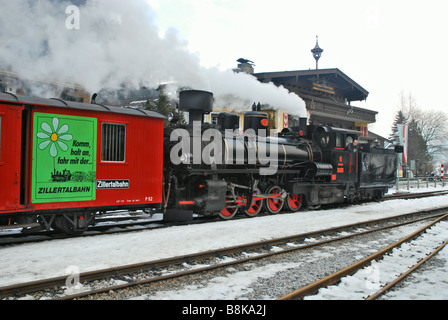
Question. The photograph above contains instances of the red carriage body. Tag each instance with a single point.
(59, 157)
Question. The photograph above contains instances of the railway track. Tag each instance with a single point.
(336, 277)
(13, 235)
(402, 276)
(155, 271)
(110, 224)
(405, 195)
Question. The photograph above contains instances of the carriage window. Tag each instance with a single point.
(113, 144)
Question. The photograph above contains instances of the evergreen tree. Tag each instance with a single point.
(162, 105)
(399, 119)
(419, 147)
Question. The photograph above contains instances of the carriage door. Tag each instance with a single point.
(10, 156)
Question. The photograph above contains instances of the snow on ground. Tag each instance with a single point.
(30, 262)
(426, 286)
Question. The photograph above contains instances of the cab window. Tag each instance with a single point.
(325, 139)
(339, 141)
(348, 140)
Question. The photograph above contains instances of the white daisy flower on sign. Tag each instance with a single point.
(54, 136)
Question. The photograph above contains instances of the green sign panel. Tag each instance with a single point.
(64, 158)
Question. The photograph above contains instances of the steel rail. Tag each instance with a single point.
(402, 276)
(239, 261)
(350, 270)
(415, 195)
(34, 286)
(23, 238)
(239, 249)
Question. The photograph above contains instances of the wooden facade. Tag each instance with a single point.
(328, 94)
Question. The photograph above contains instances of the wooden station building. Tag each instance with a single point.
(328, 95)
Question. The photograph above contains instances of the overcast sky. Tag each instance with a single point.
(387, 47)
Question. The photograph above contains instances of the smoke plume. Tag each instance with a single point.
(111, 43)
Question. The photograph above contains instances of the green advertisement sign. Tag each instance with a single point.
(64, 158)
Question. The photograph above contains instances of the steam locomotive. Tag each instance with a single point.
(63, 162)
(218, 170)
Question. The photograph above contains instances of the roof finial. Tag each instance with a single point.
(317, 52)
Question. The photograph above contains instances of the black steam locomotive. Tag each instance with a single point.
(217, 170)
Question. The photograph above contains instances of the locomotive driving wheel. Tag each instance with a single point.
(256, 206)
(294, 202)
(274, 203)
(229, 211)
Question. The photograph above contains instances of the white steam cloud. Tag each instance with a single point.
(115, 42)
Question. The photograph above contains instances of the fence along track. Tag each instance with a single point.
(334, 278)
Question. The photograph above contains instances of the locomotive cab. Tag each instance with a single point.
(364, 172)
(333, 138)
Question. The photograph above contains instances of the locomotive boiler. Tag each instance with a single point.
(225, 146)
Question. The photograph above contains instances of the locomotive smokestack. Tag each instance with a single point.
(196, 103)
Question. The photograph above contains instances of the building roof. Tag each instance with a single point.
(330, 81)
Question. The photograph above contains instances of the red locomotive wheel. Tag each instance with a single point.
(257, 205)
(274, 205)
(228, 213)
(294, 202)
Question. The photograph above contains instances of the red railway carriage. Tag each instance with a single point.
(60, 162)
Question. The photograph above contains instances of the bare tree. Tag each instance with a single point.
(434, 130)
(428, 130)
